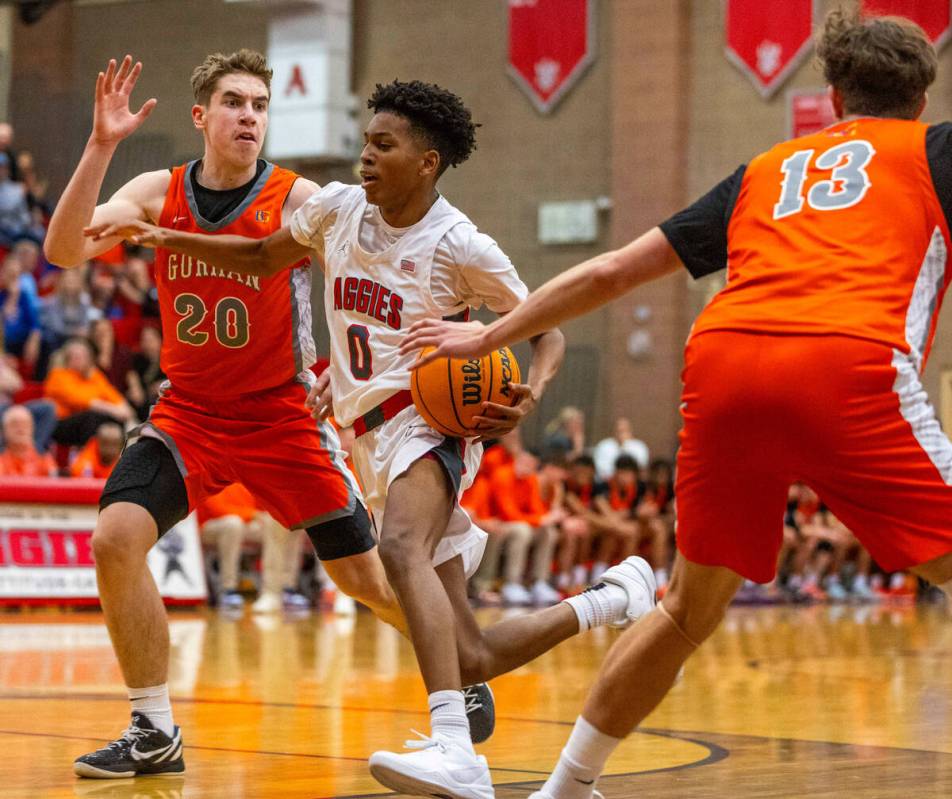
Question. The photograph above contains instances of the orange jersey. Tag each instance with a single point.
(73, 392)
(839, 232)
(30, 464)
(223, 332)
(88, 463)
(515, 498)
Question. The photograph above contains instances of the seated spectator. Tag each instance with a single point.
(638, 518)
(526, 522)
(575, 545)
(16, 222)
(565, 435)
(34, 185)
(621, 442)
(6, 147)
(101, 284)
(99, 456)
(21, 458)
(66, 313)
(500, 452)
(228, 518)
(84, 397)
(43, 411)
(146, 376)
(20, 309)
(114, 360)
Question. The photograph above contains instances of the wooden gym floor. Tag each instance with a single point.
(782, 702)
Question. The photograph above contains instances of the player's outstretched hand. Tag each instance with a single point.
(503, 418)
(451, 339)
(133, 230)
(319, 399)
(112, 119)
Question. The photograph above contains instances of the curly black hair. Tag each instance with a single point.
(436, 115)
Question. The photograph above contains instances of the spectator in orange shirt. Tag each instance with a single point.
(101, 452)
(84, 397)
(20, 458)
(527, 521)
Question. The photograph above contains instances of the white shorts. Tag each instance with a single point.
(381, 455)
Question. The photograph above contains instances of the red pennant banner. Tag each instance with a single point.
(551, 43)
(934, 16)
(767, 39)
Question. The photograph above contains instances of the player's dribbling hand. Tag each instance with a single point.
(504, 418)
(451, 340)
(319, 400)
(133, 230)
(112, 119)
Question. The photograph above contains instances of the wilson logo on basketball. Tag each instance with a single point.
(472, 382)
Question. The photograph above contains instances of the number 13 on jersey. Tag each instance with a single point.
(846, 186)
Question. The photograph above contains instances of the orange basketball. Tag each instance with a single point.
(449, 392)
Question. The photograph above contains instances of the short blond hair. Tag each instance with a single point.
(206, 75)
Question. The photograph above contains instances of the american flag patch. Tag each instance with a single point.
(262, 216)
(407, 265)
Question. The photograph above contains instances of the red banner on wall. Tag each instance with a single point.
(767, 39)
(551, 43)
(935, 16)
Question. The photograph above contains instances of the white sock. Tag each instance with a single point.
(448, 717)
(581, 762)
(154, 703)
(599, 605)
(579, 575)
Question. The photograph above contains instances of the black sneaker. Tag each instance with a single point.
(480, 711)
(141, 749)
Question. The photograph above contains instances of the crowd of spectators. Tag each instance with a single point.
(80, 361)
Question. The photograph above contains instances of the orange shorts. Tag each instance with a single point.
(267, 441)
(847, 417)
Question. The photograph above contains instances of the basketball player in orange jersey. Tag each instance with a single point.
(837, 248)
(394, 252)
(236, 350)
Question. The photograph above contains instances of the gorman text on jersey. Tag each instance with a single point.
(184, 266)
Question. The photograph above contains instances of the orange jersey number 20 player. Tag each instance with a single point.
(236, 351)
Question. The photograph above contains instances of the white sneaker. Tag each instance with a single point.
(268, 602)
(515, 594)
(542, 795)
(441, 768)
(544, 594)
(636, 577)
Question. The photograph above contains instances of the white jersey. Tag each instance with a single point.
(379, 280)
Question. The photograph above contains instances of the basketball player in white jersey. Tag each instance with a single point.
(394, 252)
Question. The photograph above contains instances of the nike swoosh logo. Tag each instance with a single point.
(155, 754)
(439, 706)
(584, 782)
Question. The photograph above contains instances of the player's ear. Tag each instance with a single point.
(430, 163)
(198, 116)
(837, 99)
